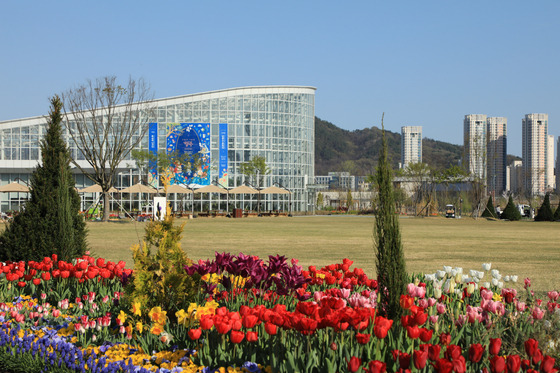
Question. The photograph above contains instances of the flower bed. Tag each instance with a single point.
(252, 315)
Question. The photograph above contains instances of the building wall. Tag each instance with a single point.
(550, 180)
(496, 155)
(276, 122)
(411, 145)
(534, 153)
(474, 127)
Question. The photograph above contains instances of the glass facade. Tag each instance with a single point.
(274, 122)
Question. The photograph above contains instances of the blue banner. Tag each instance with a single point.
(190, 144)
(153, 148)
(223, 163)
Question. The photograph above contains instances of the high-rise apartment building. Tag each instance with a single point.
(496, 153)
(534, 153)
(474, 138)
(411, 145)
(515, 179)
(550, 180)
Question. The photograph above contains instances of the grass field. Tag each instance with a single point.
(526, 249)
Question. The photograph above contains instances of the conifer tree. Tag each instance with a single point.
(390, 264)
(50, 223)
(557, 213)
(490, 210)
(511, 212)
(545, 211)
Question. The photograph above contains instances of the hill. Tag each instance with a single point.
(357, 151)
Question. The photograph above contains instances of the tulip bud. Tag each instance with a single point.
(470, 288)
(333, 346)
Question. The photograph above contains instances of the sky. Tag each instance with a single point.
(422, 63)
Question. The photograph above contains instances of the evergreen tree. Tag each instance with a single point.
(511, 212)
(545, 211)
(390, 264)
(490, 210)
(557, 213)
(50, 223)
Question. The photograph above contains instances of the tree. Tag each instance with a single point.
(545, 211)
(490, 210)
(320, 200)
(557, 213)
(254, 170)
(349, 200)
(390, 264)
(105, 121)
(511, 212)
(51, 222)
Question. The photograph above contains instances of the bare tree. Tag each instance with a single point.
(105, 121)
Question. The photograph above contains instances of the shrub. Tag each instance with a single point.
(159, 278)
(490, 210)
(511, 212)
(545, 211)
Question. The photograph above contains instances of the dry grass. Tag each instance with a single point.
(525, 248)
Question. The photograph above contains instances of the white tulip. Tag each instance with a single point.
(459, 270)
(480, 275)
(440, 274)
(494, 282)
(486, 266)
(453, 272)
(465, 278)
(513, 278)
(486, 285)
(429, 277)
(496, 274)
(447, 269)
(506, 278)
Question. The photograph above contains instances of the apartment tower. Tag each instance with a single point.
(496, 154)
(411, 145)
(474, 138)
(535, 154)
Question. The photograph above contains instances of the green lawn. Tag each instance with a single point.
(527, 249)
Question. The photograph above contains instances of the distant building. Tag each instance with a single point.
(550, 180)
(474, 137)
(496, 155)
(535, 154)
(411, 145)
(558, 165)
(337, 181)
(515, 179)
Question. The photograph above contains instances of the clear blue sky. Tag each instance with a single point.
(424, 63)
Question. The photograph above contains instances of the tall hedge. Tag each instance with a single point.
(545, 212)
(50, 223)
(390, 263)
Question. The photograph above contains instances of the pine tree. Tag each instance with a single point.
(390, 263)
(545, 211)
(511, 212)
(50, 223)
(489, 211)
(557, 213)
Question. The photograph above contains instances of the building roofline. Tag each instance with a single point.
(42, 117)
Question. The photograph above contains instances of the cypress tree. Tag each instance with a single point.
(390, 264)
(545, 211)
(557, 213)
(51, 222)
(489, 211)
(511, 212)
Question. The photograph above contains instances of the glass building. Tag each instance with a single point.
(274, 122)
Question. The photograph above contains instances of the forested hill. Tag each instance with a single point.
(357, 151)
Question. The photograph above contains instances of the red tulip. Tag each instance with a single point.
(21, 284)
(249, 321)
(236, 336)
(531, 346)
(46, 276)
(444, 339)
(64, 274)
(363, 338)
(406, 301)
(36, 281)
(206, 322)
(434, 352)
(443, 366)
(459, 365)
(453, 352)
(252, 336)
(537, 357)
(513, 363)
(475, 352)
(270, 328)
(381, 327)
(497, 364)
(377, 366)
(426, 335)
(413, 332)
(194, 334)
(547, 365)
(495, 344)
(354, 364)
(420, 358)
